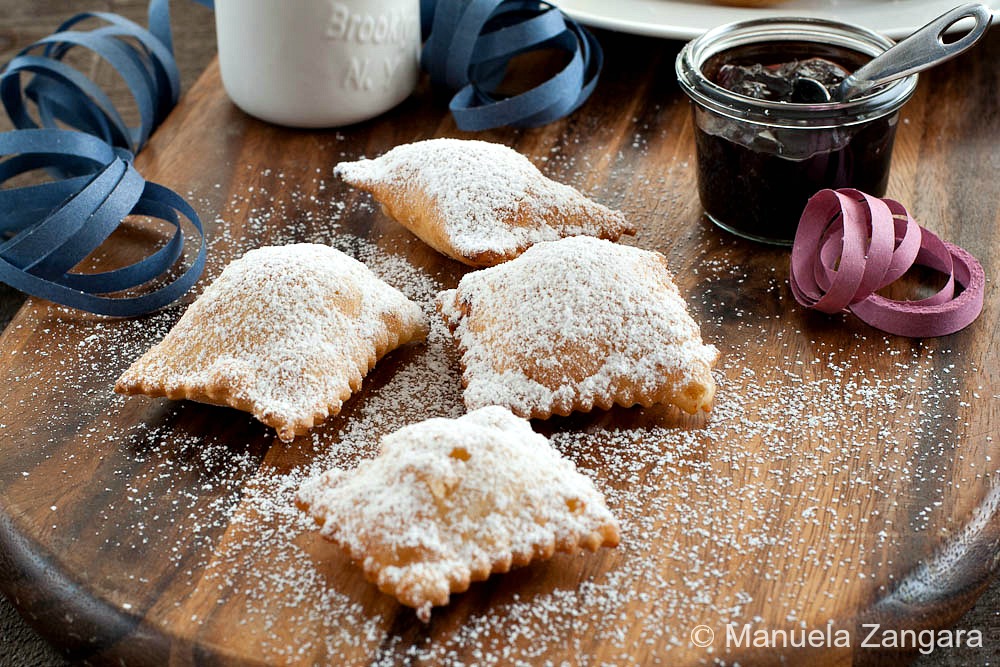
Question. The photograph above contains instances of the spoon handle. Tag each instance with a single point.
(924, 48)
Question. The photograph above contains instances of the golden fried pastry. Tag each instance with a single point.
(477, 202)
(451, 501)
(285, 333)
(574, 324)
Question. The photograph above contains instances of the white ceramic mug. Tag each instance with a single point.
(318, 63)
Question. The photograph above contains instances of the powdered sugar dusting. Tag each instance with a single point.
(286, 332)
(489, 198)
(574, 323)
(449, 501)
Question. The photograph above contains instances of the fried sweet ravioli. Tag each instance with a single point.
(451, 501)
(286, 333)
(478, 202)
(574, 324)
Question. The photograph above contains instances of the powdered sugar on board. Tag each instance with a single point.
(812, 460)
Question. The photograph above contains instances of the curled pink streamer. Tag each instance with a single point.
(849, 245)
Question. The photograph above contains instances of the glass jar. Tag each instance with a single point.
(759, 161)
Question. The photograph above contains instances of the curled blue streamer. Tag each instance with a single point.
(51, 227)
(471, 43)
(64, 97)
(57, 224)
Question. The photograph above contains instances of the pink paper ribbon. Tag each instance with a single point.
(849, 245)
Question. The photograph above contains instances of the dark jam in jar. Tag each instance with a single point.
(754, 178)
(781, 81)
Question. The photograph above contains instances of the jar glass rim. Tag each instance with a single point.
(880, 102)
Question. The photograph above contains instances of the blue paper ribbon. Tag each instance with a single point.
(472, 42)
(52, 227)
(57, 224)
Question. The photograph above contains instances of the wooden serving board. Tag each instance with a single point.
(844, 478)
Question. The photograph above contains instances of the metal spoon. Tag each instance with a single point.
(921, 50)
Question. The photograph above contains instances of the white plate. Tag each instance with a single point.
(686, 19)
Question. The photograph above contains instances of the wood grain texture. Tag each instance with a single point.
(116, 571)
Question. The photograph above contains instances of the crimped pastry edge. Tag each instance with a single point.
(629, 399)
(605, 535)
(220, 394)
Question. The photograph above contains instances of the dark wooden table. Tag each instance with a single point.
(946, 160)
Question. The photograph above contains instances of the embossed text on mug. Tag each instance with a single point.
(391, 28)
